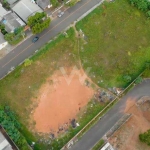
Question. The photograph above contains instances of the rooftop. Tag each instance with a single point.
(12, 21)
(26, 8)
(2, 12)
(11, 1)
(43, 3)
(5, 142)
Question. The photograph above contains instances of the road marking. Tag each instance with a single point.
(46, 33)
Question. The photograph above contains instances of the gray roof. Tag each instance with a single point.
(2, 12)
(12, 21)
(11, 1)
(43, 3)
(2, 40)
(26, 8)
(4, 144)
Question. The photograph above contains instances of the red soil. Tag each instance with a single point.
(127, 137)
(60, 102)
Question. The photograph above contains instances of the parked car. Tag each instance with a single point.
(60, 13)
(35, 39)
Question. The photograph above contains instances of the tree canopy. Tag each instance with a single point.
(145, 137)
(38, 22)
(143, 5)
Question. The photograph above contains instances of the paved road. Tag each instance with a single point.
(27, 48)
(105, 124)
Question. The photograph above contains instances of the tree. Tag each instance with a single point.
(9, 37)
(142, 5)
(54, 3)
(19, 31)
(38, 22)
(145, 137)
(32, 20)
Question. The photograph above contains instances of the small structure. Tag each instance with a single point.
(44, 4)
(26, 8)
(3, 43)
(5, 142)
(2, 12)
(107, 146)
(12, 21)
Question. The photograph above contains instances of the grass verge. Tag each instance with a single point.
(98, 145)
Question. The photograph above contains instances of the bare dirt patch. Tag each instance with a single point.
(127, 137)
(60, 100)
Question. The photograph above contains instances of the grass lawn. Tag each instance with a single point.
(98, 145)
(118, 46)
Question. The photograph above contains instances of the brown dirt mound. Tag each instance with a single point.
(127, 137)
(60, 101)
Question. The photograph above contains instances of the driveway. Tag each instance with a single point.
(99, 129)
(27, 48)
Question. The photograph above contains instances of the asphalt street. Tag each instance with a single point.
(108, 121)
(27, 48)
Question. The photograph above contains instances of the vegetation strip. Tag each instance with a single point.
(100, 143)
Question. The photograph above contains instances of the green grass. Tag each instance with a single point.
(98, 145)
(118, 44)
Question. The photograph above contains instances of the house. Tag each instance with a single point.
(5, 142)
(44, 4)
(2, 12)
(26, 8)
(3, 43)
(12, 21)
(10, 2)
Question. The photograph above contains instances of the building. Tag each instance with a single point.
(2, 12)
(12, 21)
(5, 142)
(44, 4)
(26, 8)
(10, 2)
(3, 42)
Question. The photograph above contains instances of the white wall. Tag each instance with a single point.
(3, 45)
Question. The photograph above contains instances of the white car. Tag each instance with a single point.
(60, 13)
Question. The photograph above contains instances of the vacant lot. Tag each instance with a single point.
(117, 43)
(138, 123)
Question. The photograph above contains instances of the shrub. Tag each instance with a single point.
(145, 137)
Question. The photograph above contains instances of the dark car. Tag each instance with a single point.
(35, 39)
